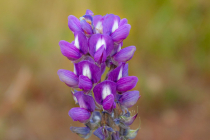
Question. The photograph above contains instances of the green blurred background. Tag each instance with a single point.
(172, 63)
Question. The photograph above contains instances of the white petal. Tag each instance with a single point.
(106, 91)
(86, 71)
(119, 48)
(120, 73)
(100, 42)
(115, 26)
(76, 42)
(75, 72)
(99, 27)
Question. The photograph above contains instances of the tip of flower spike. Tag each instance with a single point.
(89, 12)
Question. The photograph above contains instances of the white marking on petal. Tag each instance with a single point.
(115, 26)
(76, 42)
(100, 42)
(106, 91)
(75, 72)
(103, 42)
(75, 99)
(86, 71)
(99, 27)
(120, 73)
(119, 48)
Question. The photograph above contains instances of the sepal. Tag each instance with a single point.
(83, 132)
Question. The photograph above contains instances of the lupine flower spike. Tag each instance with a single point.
(102, 105)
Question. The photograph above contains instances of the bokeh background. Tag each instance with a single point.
(172, 63)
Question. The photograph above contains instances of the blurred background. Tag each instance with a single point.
(172, 63)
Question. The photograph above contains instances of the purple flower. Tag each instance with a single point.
(128, 99)
(88, 69)
(74, 24)
(126, 83)
(100, 47)
(89, 12)
(97, 22)
(85, 101)
(124, 55)
(103, 104)
(86, 25)
(79, 114)
(105, 93)
(69, 50)
(85, 83)
(121, 33)
(68, 77)
(123, 81)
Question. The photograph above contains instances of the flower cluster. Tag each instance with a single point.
(103, 105)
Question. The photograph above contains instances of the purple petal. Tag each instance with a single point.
(121, 33)
(69, 50)
(109, 44)
(100, 55)
(108, 23)
(103, 89)
(115, 135)
(85, 83)
(110, 129)
(108, 102)
(86, 27)
(98, 40)
(88, 69)
(89, 12)
(117, 48)
(125, 54)
(98, 23)
(100, 134)
(68, 77)
(128, 99)
(83, 132)
(74, 24)
(114, 105)
(123, 21)
(115, 74)
(103, 67)
(88, 19)
(81, 42)
(79, 114)
(126, 83)
(125, 70)
(93, 42)
(85, 101)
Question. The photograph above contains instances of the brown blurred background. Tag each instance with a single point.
(172, 63)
